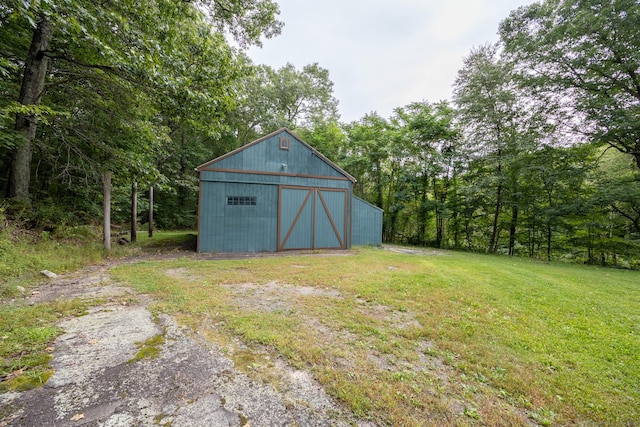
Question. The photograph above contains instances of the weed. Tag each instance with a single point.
(26, 380)
(472, 412)
(25, 337)
(149, 349)
(543, 416)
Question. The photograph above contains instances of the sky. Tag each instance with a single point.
(383, 54)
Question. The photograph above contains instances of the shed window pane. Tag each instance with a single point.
(284, 143)
(241, 200)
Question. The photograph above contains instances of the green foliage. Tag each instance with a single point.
(152, 92)
(139, 91)
(585, 56)
(271, 99)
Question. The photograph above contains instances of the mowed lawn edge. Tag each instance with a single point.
(440, 338)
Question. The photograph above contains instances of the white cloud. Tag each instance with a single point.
(384, 54)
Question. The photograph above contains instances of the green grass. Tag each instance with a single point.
(25, 336)
(459, 339)
(27, 331)
(23, 254)
(148, 349)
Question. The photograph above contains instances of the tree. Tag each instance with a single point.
(327, 136)
(584, 54)
(33, 79)
(502, 124)
(430, 138)
(368, 152)
(617, 187)
(113, 45)
(554, 184)
(485, 94)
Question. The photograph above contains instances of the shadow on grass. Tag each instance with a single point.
(169, 241)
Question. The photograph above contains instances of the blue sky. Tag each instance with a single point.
(383, 54)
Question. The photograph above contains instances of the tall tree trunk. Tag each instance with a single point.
(493, 243)
(456, 230)
(437, 195)
(182, 190)
(422, 217)
(440, 194)
(512, 230)
(549, 242)
(106, 225)
(134, 212)
(151, 211)
(379, 189)
(35, 71)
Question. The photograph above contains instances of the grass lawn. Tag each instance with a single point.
(440, 338)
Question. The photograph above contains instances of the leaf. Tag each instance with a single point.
(77, 417)
(14, 374)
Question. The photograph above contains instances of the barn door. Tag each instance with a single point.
(312, 218)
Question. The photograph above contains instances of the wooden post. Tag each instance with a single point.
(151, 211)
(134, 211)
(107, 210)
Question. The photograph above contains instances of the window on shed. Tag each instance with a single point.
(241, 200)
(284, 143)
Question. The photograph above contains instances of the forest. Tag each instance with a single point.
(537, 154)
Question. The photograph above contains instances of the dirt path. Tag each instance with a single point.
(190, 383)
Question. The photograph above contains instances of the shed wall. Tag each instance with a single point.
(299, 200)
(258, 178)
(267, 156)
(237, 228)
(367, 223)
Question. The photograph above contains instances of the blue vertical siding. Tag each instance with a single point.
(331, 219)
(225, 228)
(296, 218)
(266, 156)
(367, 223)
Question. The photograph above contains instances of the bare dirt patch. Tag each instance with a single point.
(275, 295)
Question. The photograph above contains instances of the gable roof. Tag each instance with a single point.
(338, 169)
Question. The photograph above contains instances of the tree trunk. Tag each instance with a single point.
(422, 217)
(512, 230)
(379, 189)
(134, 212)
(151, 211)
(35, 71)
(456, 231)
(493, 243)
(548, 242)
(106, 225)
(440, 194)
(181, 189)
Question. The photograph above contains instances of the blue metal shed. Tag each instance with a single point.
(278, 193)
